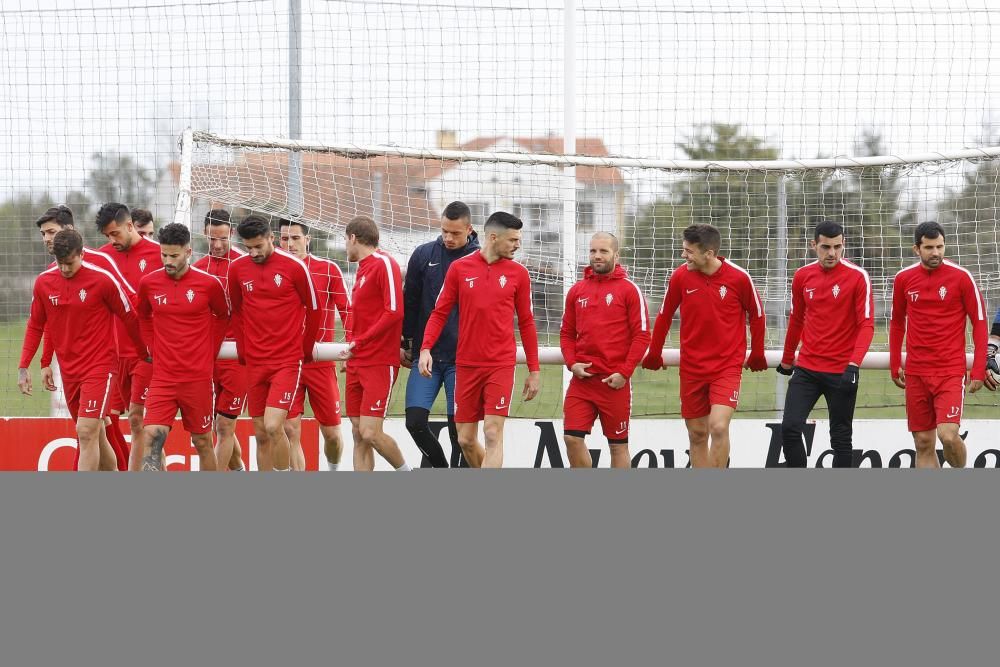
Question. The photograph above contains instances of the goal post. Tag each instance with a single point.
(765, 209)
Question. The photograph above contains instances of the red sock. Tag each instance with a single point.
(118, 443)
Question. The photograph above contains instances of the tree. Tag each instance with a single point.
(119, 177)
(741, 204)
(970, 213)
(869, 203)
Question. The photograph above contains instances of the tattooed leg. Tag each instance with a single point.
(155, 436)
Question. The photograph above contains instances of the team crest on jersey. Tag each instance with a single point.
(83, 295)
(54, 298)
(277, 279)
(723, 291)
(190, 295)
(836, 291)
(142, 265)
(503, 281)
(608, 298)
(942, 292)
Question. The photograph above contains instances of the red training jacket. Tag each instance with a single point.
(488, 296)
(177, 318)
(929, 309)
(78, 314)
(714, 314)
(375, 321)
(605, 323)
(833, 314)
(270, 302)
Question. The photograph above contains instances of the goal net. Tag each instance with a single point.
(686, 81)
(765, 209)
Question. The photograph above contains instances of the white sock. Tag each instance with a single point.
(282, 469)
(405, 466)
(332, 466)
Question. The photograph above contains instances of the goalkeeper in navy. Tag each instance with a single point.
(424, 278)
(992, 367)
(832, 315)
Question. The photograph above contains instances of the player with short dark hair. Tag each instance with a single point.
(179, 306)
(604, 335)
(930, 303)
(717, 300)
(374, 326)
(319, 378)
(277, 317)
(136, 257)
(230, 377)
(143, 221)
(833, 315)
(489, 288)
(52, 221)
(76, 305)
(425, 274)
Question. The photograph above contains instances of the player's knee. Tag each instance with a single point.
(924, 442)
(135, 420)
(467, 440)
(718, 429)
(88, 430)
(368, 434)
(493, 434)
(948, 434)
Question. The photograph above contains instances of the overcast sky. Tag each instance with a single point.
(88, 75)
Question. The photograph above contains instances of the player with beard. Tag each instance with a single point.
(489, 288)
(277, 318)
(229, 375)
(135, 257)
(179, 306)
(931, 301)
(604, 335)
(319, 378)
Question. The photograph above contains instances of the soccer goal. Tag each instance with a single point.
(765, 209)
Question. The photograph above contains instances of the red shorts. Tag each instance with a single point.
(134, 376)
(588, 399)
(91, 396)
(272, 387)
(933, 400)
(195, 400)
(369, 389)
(698, 395)
(324, 395)
(482, 391)
(230, 387)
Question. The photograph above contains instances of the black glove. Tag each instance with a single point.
(784, 371)
(850, 377)
(992, 380)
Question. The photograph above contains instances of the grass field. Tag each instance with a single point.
(654, 393)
